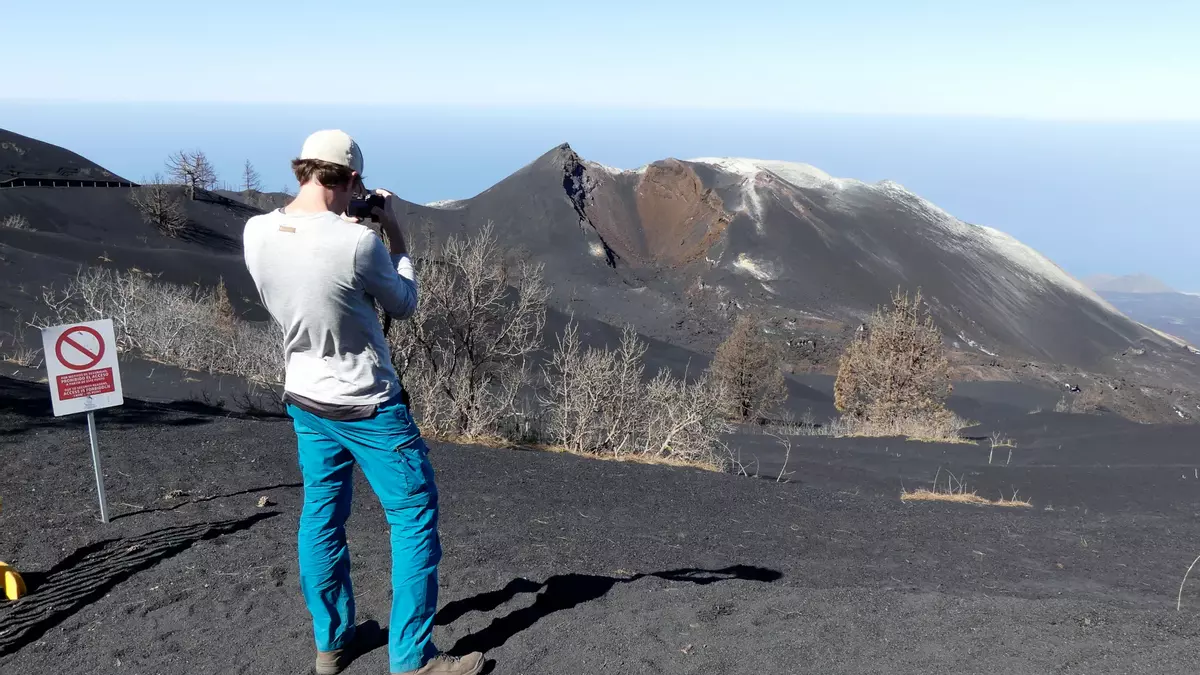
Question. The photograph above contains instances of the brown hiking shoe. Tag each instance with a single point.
(331, 662)
(443, 664)
(367, 636)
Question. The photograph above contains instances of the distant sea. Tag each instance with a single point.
(1096, 197)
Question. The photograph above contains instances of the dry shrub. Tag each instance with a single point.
(160, 206)
(1088, 401)
(464, 355)
(178, 325)
(15, 221)
(597, 402)
(23, 355)
(20, 353)
(747, 366)
(593, 394)
(895, 376)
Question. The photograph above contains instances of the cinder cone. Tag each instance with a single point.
(14, 585)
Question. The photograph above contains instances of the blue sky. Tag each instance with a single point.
(1057, 59)
(1073, 125)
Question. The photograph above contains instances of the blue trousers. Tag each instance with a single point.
(395, 461)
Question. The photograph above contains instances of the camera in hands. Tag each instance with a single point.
(362, 208)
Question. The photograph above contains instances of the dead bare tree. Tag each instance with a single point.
(747, 365)
(783, 432)
(160, 206)
(464, 354)
(193, 170)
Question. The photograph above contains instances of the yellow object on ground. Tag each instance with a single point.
(14, 585)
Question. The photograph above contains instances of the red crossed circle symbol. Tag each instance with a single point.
(82, 357)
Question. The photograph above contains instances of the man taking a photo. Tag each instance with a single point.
(319, 273)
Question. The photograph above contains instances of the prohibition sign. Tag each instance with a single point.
(82, 357)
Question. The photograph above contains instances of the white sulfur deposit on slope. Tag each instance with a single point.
(752, 172)
(969, 239)
(449, 204)
(983, 244)
(973, 344)
(800, 175)
(759, 269)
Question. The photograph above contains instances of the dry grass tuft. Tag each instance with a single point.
(925, 495)
(633, 459)
(942, 429)
(923, 430)
(955, 491)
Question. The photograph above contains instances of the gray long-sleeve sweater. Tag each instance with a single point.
(317, 275)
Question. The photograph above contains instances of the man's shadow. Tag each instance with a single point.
(564, 591)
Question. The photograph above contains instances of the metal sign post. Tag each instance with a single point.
(96, 463)
(84, 376)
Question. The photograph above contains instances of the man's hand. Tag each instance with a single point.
(390, 224)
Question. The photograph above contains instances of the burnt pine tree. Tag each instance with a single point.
(251, 182)
(897, 369)
(747, 367)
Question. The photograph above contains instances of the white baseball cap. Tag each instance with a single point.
(333, 146)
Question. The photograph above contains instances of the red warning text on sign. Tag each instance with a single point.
(89, 383)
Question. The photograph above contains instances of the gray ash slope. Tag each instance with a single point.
(816, 250)
(560, 564)
(24, 157)
(74, 227)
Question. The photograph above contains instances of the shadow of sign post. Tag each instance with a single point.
(91, 572)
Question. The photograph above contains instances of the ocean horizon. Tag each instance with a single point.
(1096, 197)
